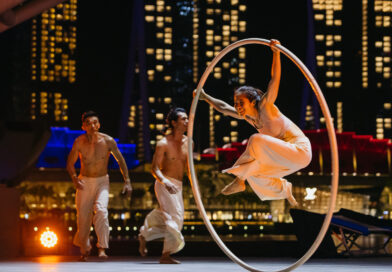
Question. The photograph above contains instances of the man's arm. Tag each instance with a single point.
(219, 105)
(273, 86)
(156, 164)
(72, 158)
(127, 188)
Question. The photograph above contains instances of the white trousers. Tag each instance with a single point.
(167, 220)
(267, 159)
(92, 207)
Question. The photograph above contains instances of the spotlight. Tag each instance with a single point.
(48, 239)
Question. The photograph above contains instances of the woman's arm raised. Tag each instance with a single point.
(273, 86)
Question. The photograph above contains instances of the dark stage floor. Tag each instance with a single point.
(119, 264)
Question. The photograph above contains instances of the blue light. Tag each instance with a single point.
(60, 144)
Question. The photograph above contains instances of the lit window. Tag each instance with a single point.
(149, 18)
(149, 7)
(242, 8)
(319, 17)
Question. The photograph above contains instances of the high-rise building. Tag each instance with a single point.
(328, 21)
(39, 58)
(216, 24)
(353, 52)
(380, 22)
(182, 39)
(53, 61)
(169, 59)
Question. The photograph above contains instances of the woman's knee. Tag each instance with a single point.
(306, 159)
(257, 139)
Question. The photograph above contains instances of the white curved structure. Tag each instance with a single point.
(332, 141)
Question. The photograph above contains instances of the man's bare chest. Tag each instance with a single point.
(176, 153)
(94, 151)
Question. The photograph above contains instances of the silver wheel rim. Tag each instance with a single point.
(332, 141)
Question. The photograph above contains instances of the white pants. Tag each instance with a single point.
(92, 207)
(167, 220)
(267, 159)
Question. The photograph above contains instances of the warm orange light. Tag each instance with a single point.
(48, 239)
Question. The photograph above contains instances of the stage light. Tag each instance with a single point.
(310, 193)
(48, 238)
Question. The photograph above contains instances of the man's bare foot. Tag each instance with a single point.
(167, 259)
(142, 246)
(290, 197)
(84, 256)
(102, 253)
(238, 185)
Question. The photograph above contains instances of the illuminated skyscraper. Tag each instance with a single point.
(328, 20)
(169, 66)
(353, 48)
(380, 64)
(216, 24)
(182, 37)
(53, 61)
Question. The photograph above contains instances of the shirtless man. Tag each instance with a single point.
(92, 185)
(168, 165)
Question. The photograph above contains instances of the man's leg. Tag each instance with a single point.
(84, 209)
(153, 228)
(101, 222)
(142, 245)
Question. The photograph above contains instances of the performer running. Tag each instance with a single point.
(277, 150)
(168, 165)
(92, 185)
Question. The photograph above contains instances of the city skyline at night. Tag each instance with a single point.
(352, 54)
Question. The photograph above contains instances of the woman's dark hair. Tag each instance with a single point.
(251, 93)
(88, 114)
(173, 115)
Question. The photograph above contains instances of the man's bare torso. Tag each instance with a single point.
(175, 157)
(94, 155)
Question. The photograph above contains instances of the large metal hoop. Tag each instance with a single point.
(332, 142)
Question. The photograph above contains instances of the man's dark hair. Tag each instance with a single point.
(88, 114)
(173, 115)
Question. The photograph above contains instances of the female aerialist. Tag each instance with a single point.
(277, 150)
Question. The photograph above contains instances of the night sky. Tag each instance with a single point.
(102, 49)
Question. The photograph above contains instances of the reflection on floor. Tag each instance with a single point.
(120, 264)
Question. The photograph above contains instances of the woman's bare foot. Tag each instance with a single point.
(167, 259)
(102, 253)
(236, 186)
(290, 197)
(142, 246)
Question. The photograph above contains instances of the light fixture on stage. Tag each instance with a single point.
(310, 193)
(48, 238)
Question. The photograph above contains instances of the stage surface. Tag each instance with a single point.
(136, 264)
